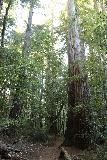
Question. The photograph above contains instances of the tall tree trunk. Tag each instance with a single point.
(51, 107)
(17, 101)
(1, 4)
(77, 126)
(4, 23)
(28, 30)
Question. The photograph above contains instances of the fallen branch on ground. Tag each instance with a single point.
(7, 152)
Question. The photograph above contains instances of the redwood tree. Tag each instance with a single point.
(77, 131)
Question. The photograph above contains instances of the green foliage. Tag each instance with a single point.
(39, 82)
(34, 2)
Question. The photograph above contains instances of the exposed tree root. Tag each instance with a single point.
(64, 155)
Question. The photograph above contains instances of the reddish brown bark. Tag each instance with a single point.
(77, 124)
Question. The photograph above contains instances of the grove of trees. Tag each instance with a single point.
(53, 76)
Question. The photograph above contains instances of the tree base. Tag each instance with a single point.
(80, 141)
(64, 155)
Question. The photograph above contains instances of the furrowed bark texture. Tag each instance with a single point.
(77, 86)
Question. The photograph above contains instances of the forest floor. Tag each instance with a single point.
(47, 151)
(38, 151)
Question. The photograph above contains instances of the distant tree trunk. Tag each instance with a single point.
(77, 124)
(1, 4)
(41, 98)
(4, 23)
(28, 30)
(51, 106)
(17, 102)
(53, 124)
(51, 109)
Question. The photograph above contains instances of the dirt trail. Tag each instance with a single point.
(42, 152)
(52, 152)
(30, 151)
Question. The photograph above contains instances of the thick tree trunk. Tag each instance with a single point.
(77, 126)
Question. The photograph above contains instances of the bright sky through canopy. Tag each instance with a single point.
(41, 15)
